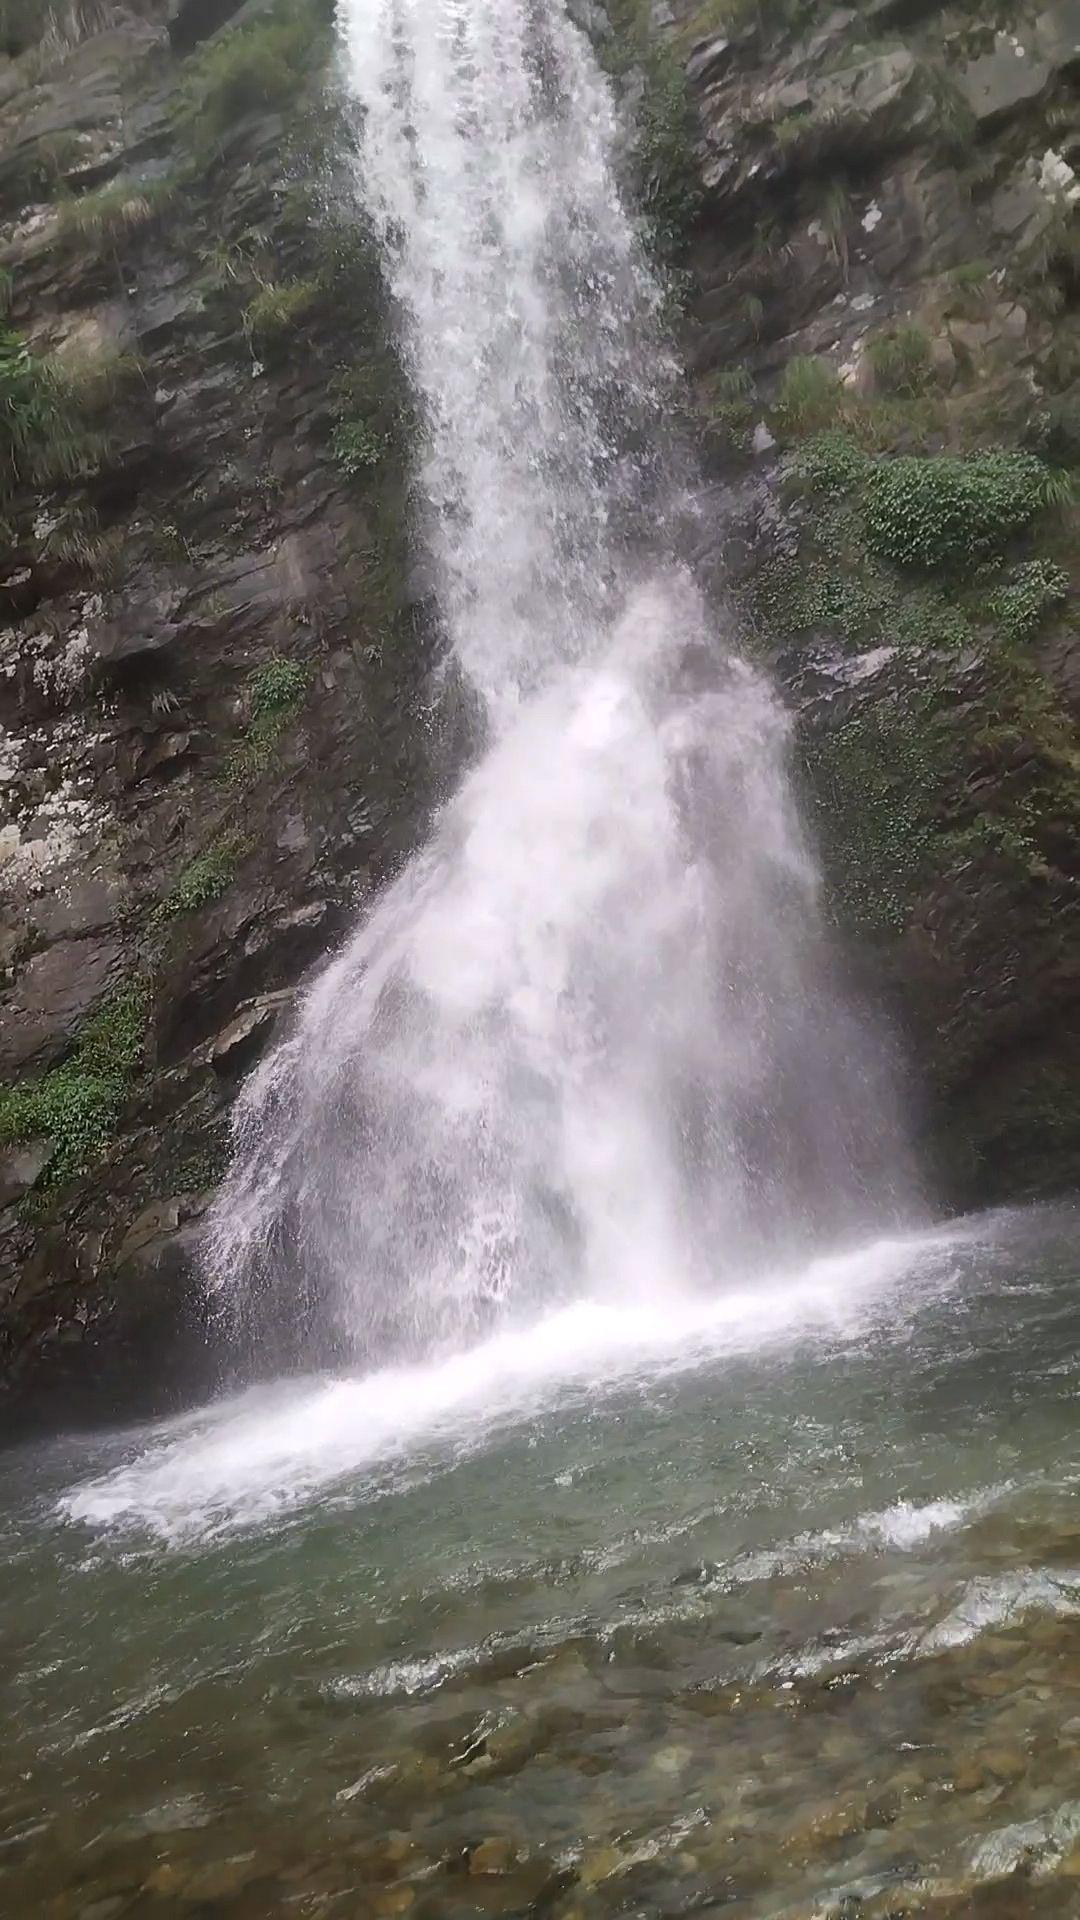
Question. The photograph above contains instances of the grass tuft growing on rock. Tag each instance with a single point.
(43, 431)
(100, 222)
(276, 312)
(809, 396)
(901, 359)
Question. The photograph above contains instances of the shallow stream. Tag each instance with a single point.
(767, 1605)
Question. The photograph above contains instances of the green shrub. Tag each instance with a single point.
(255, 65)
(849, 606)
(76, 1105)
(730, 404)
(901, 359)
(809, 396)
(971, 273)
(1020, 606)
(926, 511)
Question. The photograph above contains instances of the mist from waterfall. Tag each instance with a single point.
(587, 1044)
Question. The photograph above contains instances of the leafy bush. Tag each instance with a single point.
(76, 1105)
(829, 462)
(257, 64)
(1020, 606)
(926, 511)
(278, 684)
(901, 359)
(358, 449)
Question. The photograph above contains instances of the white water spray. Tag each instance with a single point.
(584, 1045)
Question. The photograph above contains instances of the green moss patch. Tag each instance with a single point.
(76, 1106)
(204, 880)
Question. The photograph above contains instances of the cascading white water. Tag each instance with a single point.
(585, 1043)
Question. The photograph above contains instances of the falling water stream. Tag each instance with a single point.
(667, 1520)
(587, 1043)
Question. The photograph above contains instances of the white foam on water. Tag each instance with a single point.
(269, 1451)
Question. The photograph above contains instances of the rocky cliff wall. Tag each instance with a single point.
(883, 272)
(215, 664)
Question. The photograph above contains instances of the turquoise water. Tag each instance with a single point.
(762, 1606)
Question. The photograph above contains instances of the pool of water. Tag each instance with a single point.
(764, 1606)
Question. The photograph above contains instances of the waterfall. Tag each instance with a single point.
(586, 1044)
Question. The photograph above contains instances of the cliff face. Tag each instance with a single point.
(212, 658)
(884, 270)
(219, 730)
